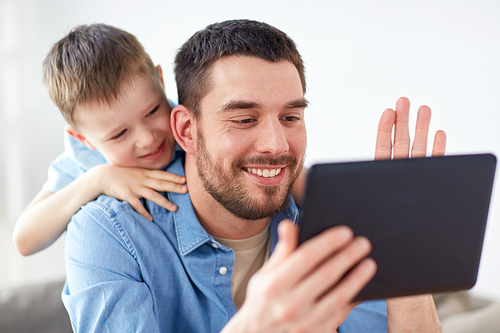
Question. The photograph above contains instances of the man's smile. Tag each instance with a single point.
(266, 176)
(266, 173)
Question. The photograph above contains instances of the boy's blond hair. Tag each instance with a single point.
(91, 64)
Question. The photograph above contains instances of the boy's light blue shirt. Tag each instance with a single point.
(127, 274)
(75, 161)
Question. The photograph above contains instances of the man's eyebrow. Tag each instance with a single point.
(299, 104)
(235, 105)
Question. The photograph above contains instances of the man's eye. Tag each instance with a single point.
(245, 121)
(117, 136)
(290, 118)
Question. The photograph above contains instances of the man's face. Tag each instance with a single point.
(132, 131)
(251, 135)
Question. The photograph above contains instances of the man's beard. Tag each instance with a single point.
(232, 195)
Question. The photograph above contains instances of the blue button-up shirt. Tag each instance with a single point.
(127, 274)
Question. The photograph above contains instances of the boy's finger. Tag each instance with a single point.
(139, 208)
(161, 185)
(171, 187)
(159, 199)
(166, 176)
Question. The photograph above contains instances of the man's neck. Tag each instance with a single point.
(215, 219)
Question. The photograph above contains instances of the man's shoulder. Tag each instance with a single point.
(107, 207)
(101, 224)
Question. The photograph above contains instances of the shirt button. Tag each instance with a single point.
(223, 270)
(215, 246)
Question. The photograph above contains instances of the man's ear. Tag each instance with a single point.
(160, 74)
(184, 128)
(79, 137)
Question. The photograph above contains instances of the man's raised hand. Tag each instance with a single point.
(400, 147)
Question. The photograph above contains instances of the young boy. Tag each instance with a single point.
(118, 138)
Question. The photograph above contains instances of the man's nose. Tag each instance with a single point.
(272, 138)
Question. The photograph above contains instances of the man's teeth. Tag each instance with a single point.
(266, 173)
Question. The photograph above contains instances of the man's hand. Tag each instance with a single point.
(413, 313)
(398, 120)
(132, 184)
(306, 289)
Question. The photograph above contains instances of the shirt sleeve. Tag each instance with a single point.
(104, 291)
(75, 161)
(62, 171)
(369, 316)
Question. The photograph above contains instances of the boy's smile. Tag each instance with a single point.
(158, 152)
(132, 131)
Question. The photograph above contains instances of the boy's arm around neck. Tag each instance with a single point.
(47, 215)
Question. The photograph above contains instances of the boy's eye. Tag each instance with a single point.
(152, 112)
(118, 135)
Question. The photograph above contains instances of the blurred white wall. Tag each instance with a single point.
(360, 56)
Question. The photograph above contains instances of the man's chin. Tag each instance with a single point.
(266, 207)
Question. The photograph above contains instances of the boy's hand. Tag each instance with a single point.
(132, 184)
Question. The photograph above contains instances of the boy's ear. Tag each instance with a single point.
(79, 137)
(184, 128)
(160, 73)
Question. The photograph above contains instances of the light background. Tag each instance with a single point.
(360, 56)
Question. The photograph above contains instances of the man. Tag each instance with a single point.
(241, 124)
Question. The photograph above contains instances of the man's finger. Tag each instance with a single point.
(346, 290)
(383, 147)
(401, 131)
(439, 146)
(311, 253)
(288, 235)
(331, 272)
(419, 148)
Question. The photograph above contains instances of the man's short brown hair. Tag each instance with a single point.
(91, 64)
(237, 37)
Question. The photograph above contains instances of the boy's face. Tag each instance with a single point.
(132, 131)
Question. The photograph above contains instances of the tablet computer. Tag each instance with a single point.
(425, 218)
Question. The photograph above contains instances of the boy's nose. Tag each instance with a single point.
(145, 138)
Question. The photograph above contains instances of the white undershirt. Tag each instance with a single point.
(249, 255)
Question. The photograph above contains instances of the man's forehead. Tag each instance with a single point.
(239, 62)
(237, 74)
